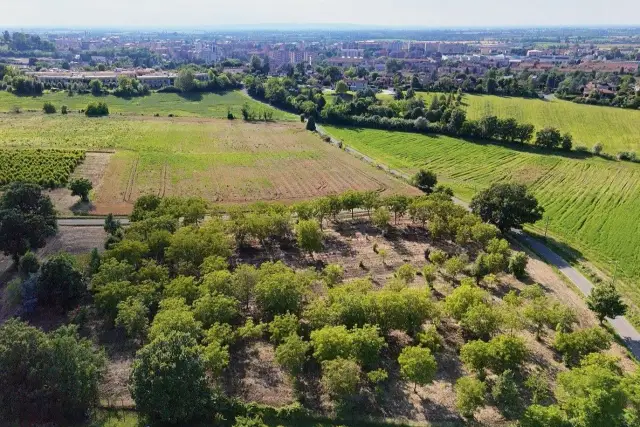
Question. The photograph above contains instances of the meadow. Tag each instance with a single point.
(220, 160)
(192, 105)
(592, 204)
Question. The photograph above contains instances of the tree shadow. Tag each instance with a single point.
(191, 96)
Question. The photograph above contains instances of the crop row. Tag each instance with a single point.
(48, 167)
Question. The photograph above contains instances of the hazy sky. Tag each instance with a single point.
(211, 13)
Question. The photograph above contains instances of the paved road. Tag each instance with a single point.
(625, 330)
(87, 222)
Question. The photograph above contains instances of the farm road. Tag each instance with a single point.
(629, 335)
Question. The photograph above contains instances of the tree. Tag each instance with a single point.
(27, 219)
(311, 124)
(291, 354)
(97, 109)
(424, 180)
(417, 364)
(592, 394)
(29, 263)
(381, 218)
(112, 225)
(133, 317)
(185, 80)
(605, 301)
(81, 187)
(481, 320)
(548, 138)
(506, 395)
(575, 345)
(96, 87)
(49, 108)
(280, 293)
(341, 87)
(518, 264)
(282, 326)
(168, 381)
(406, 273)
(567, 142)
(470, 395)
(215, 308)
(340, 378)
(60, 283)
(309, 236)
(47, 378)
(507, 206)
(544, 416)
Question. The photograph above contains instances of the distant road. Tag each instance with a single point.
(87, 222)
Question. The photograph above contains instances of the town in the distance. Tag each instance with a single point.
(314, 226)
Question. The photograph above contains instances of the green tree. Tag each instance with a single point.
(418, 365)
(470, 395)
(506, 206)
(60, 282)
(81, 187)
(605, 301)
(215, 308)
(282, 326)
(168, 381)
(291, 354)
(425, 180)
(481, 320)
(544, 416)
(575, 345)
(182, 287)
(311, 124)
(96, 87)
(340, 378)
(27, 219)
(309, 236)
(29, 263)
(185, 80)
(133, 317)
(381, 218)
(49, 108)
(341, 87)
(280, 293)
(406, 273)
(506, 394)
(518, 264)
(548, 138)
(47, 378)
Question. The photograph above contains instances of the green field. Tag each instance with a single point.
(592, 204)
(193, 105)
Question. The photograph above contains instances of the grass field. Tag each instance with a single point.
(194, 105)
(220, 160)
(592, 204)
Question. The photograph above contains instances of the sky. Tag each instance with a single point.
(392, 13)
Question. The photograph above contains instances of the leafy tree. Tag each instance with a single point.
(548, 137)
(49, 108)
(130, 251)
(367, 344)
(291, 354)
(311, 124)
(544, 416)
(506, 206)
(507, 352)
(60, 282)
(340, 378)
(249, 422)
(168, 381)
(282, 326)
(455, 265)
(47, 378)
(133, 317)
(605, 301)
(424, 180)
(458, 303)
(476, 356)
(244, 280)
(27, 219)
(216, 357)
(309, 236)
(429, 274)
(112, 225)
(96, 87)
(182, 287)
(29, 263)
(81, 187)
(341, 87)
(518, 264)
(97, 109)
(186, 80)
(481, 320)
(592, 394)
(406, 273)
(215, 308)
(470, 395)
(418, 365)
(575, 345)
(174, 316)
(506, 394)
(351, 200)
(381, 218)
(332, 342)
(280, 293)
(332, 274)
(431, 339)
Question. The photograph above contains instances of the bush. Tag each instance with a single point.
(97, 109)
(13, 293)
(470, 395)
(64, 109)
(506, 395)
(29, 263)
(292, 354)
(311, 124)
(597, 148)
(418, 365)
(340, 378)
(575, 345)
(60, 282)
(518, 264)
(49, 108)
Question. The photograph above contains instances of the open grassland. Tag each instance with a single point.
(617, 128)
(591, 203)
(192, 105)
(220, 160)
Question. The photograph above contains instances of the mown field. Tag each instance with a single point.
(592, 204)
(220, 160)
(193, 105)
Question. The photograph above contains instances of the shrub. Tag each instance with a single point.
(506, 394)
(418, 365)
(60, 282)
(292, 354)
(97, 109)
(470, 395)
(406, 273)
(13, 293)
(597, 148)
(282, 326)
(133, 317)
(49, 108)
(575, 345)
(29, 263)
(518, 264)
(340, 378)
(64, 109)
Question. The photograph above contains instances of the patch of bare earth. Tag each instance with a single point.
(92, 168)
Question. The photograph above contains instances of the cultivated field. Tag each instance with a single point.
(220, 160)
(592, 204)
(192, 105)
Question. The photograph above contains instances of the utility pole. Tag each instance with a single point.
(546, 228)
